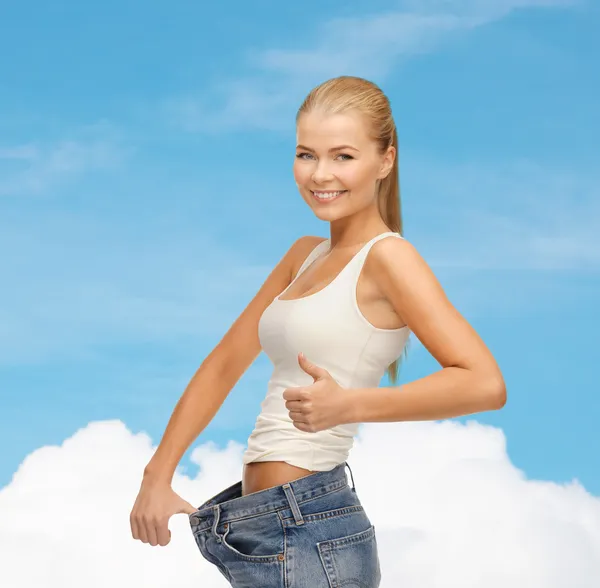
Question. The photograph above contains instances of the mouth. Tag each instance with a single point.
(322, 196)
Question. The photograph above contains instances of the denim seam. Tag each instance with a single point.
(331, 514)
(274, 510)
(253, 558)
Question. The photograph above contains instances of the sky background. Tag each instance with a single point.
(146, 191)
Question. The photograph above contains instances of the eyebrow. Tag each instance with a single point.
(332, 149)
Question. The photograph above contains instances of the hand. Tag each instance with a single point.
(319, 406)
(156, 503)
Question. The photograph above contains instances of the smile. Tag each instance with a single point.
(327, 196)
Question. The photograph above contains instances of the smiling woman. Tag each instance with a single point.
(332, 316)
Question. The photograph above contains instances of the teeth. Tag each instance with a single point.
(327, 195)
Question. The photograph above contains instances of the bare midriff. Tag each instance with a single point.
(261, 475)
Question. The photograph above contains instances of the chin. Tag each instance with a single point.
(326, 212)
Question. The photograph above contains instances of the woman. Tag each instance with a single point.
(348, 303)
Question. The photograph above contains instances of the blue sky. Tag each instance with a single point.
(146, 191)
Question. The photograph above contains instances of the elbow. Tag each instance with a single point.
(495, 395)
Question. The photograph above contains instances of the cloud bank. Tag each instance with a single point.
(450, 510)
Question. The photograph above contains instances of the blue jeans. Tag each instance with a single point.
(309, 533)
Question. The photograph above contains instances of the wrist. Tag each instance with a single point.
(154, 475)
(351, 409)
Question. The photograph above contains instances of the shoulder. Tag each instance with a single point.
(391, 252)
(400, 269)
(409, 284)
(309, 241)
(301, 249)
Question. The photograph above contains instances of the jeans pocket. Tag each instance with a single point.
(200, 538)
(257, 539)
(352, 561)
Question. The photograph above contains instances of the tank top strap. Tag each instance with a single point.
(359, 259)
(316, 252)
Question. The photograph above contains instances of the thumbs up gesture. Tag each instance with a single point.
(319, 406)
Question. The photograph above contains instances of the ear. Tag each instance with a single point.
(387, 162)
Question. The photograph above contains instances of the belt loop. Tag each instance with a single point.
(293, 504)
(216, 511)
(353, 485)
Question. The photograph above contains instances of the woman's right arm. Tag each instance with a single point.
(202, 398)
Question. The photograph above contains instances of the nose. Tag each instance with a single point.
(321, 174)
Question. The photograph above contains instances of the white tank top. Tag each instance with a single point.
(328, 327)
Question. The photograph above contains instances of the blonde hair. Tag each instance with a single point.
(350, 93)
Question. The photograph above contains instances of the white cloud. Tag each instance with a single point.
(516, 215)
(368, 46)
(489, 9)
(35, 168)
(450, 510)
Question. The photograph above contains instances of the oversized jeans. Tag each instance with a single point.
(312, 532)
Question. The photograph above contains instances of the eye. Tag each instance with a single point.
(300, 156)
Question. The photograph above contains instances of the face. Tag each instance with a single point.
(338, 181)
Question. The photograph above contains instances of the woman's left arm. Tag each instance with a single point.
(470, 380)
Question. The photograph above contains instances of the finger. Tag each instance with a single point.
(293, 393)
(150, 531)
(302, 427)
(141, 528)
(310, 368)
(187, 508)
(295, 405)
(163, 534)
(134, 526)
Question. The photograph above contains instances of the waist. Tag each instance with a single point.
(262, 475)
(232, 505)
(315, 452)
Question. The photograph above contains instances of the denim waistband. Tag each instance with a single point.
(229, 504)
